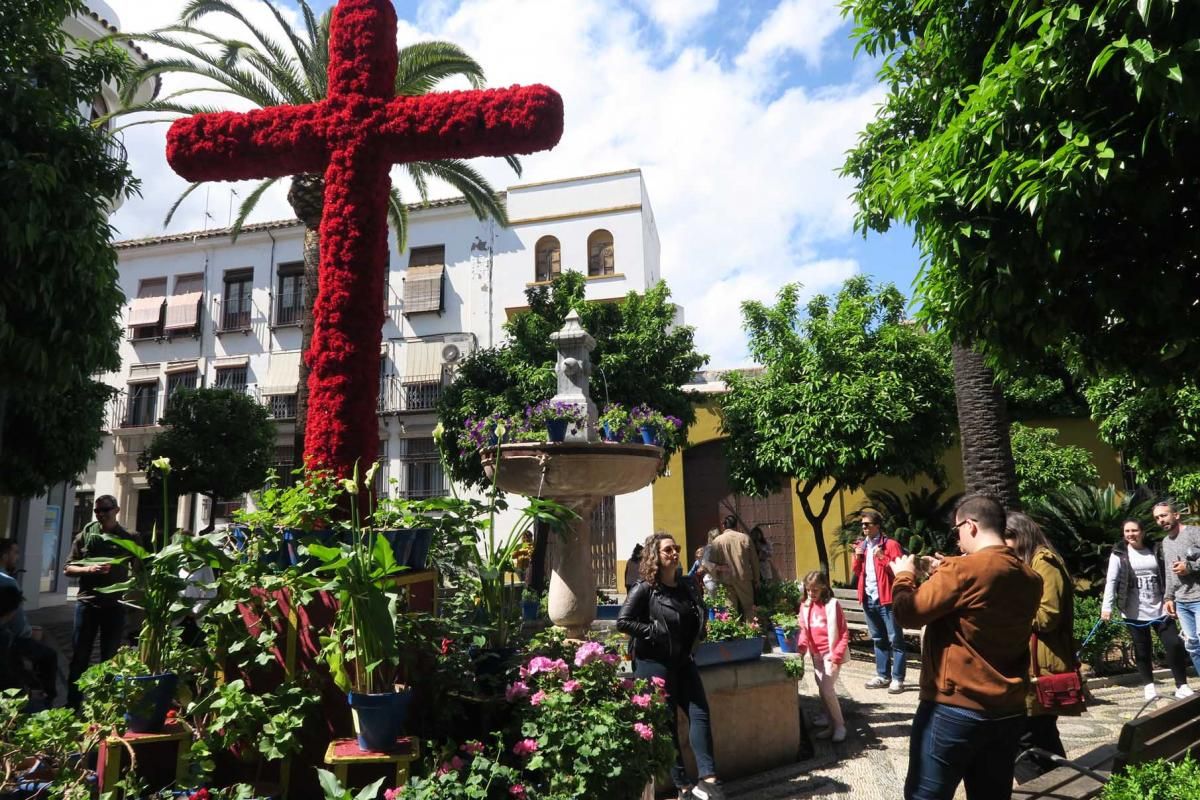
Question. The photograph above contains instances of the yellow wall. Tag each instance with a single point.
(669, 510)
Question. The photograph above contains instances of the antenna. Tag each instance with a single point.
(229, 214)
(207, 216)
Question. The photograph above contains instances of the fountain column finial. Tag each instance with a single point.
(574, 368)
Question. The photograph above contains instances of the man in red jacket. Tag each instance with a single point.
(872, 554)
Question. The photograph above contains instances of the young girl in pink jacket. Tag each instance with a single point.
(823, 634)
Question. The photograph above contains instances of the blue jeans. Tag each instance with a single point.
(888, 638)
(686, 691)
(1188, 611)
(951, 745)
(90, 620)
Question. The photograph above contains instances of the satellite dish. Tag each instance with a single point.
(450, 353)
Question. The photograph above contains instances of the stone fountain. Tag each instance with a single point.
(577, 473)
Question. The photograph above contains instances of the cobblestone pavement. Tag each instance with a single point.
(872, 762)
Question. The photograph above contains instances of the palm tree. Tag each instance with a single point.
(270, 73)
(983, 428)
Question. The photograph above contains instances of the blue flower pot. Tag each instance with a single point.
(150, 699)
(530, 610)
(418, 557)
(379, 718)
(607, 610)
(402, 543)
(649, 434)
(556, 429)
(787, 641)
(728, 652)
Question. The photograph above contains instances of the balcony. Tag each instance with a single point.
(280, 406)
(289, 309)
(139, 411)
(412, 393)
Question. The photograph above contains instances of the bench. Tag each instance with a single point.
(1169, 733)
(856, 617)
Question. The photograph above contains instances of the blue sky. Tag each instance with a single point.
(738, 114)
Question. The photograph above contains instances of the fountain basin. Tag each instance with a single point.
(573, 469)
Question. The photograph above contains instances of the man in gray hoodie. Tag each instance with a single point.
(1181, 557)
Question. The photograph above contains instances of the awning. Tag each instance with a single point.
(231, 361)
(423, 289)
(183, 311)
(145, 311)
(143, 371)
(191, 365)
(422, 362)
(283, 373)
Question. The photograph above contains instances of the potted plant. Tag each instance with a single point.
(787, 631)
(556, 417)
(614, 424)
(285, 517)
(606, 607)
(403, 524)
(362, 649)
(729, 639)
(531, 605)
(655, 427)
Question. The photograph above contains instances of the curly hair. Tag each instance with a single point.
(649, 567)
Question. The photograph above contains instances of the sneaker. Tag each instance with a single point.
(1149, 692)
(896, 686)
(708, 790)
(839, 735)
(877, 683)
(1183, 691)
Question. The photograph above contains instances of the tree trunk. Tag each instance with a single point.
(817, 520)
(307, 198)
(983, 429)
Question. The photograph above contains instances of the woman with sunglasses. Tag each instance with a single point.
(665, 619)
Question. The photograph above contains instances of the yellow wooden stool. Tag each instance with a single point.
(344, 753)
(114, 748)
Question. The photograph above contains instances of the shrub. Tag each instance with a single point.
(1087, 614)
(1155, 780)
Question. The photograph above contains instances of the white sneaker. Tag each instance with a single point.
(877, 683)
(1183, 691)
(896, 687)
(839, 735)
(1149, 691)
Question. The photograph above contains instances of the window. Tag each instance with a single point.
(278, 391)
(423, 279)
(289, 297)
(183, 307)
(235, 310)
(177, 381)
(600, 253)
(421, 470)
(547, 258)
(281, 406)
(381, 487)
(231, 378)
(143, 405)
(146, 311)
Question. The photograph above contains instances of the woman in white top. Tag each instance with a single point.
(1135, 586)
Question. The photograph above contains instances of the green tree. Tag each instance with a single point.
(850, 391)
(221, 443)
(58, 313)
(1045, 467)
(641, 356)
(1041, 150)
(1155, 428)
(291, 70)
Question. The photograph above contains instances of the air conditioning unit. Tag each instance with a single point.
(451, 353)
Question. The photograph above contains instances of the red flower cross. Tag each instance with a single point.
(355, 136)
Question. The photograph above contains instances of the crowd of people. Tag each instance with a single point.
(999, 658)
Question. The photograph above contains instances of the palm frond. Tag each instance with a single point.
(475, 189)
(317, 66)
(514, 163)
(199, 8)
(165, 106)
(248, 205)
(246, 83)
(398, 217)
(425, 64)
(175, 206)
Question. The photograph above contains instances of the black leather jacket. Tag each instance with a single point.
(654, 621)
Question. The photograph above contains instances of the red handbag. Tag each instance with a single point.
(1055, 690)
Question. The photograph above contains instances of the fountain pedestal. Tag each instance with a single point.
(576, 475)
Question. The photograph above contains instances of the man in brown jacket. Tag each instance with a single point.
(978, 612)
(735, 551)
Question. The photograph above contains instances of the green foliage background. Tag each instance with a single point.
(1045, 467)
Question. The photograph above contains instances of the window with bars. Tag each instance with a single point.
(177, 381)
(289, 298)
(281, 406)
(601, 260)
(547, 258)
(231, 378)
(421, 470)
(423, 279)
(236, 307)
(143, 405)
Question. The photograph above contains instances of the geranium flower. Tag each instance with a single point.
(641, 700)
(588, 651)
(537, 698)
(516, 691)
(659, 683)
(643, 730)
(394, 794)
(453, 765)
(525, 747)
(474, 748)
(627, 684)
(539, 664)
(517, 790)
(610, 658)
(570, 686)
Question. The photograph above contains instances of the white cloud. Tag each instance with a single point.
(742, 180)
(676, 17)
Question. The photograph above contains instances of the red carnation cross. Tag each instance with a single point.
(355, 136)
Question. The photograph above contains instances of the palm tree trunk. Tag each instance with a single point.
(983, 429)
(307, 198)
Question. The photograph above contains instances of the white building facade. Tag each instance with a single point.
(206, 311)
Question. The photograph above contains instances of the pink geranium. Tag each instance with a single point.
(641, 700)
(517, 790)
(539, 664)
(453, 765)
(394, 794)
(516, 691)
(626, 684)
(473, 748)
(658, 682)
(570, 686)
(643, 730)
(588, 651)
(525, 747)
(538, 698)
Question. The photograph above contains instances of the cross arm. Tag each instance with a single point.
(465, 124)
(264, 143)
